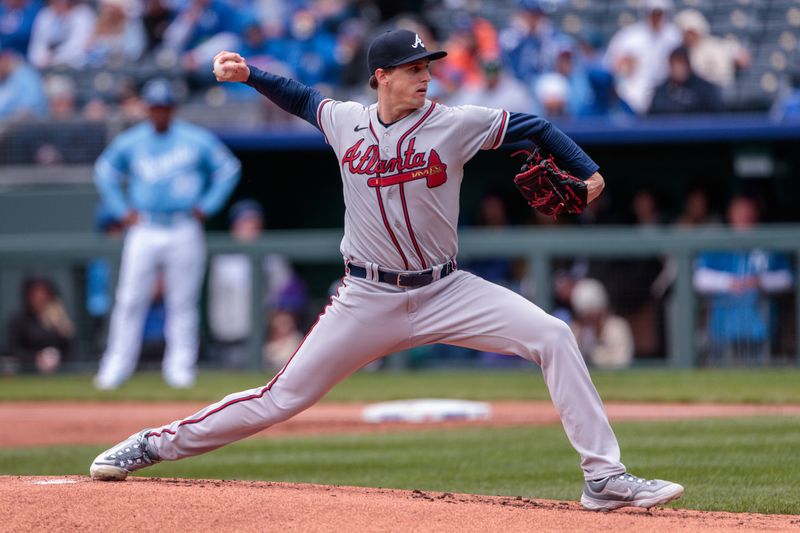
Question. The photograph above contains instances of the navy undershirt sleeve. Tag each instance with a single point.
(288, 94)
(524, 127)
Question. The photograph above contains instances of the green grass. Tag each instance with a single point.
(657, 385)
(747, 464)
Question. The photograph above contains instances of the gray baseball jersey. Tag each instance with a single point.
(405, 218)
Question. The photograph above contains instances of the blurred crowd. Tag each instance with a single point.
(61, 58)
(65, 58)
(621, 308)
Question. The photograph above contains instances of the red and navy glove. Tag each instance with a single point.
(547, 188)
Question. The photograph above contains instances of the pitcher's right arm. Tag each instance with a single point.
(290, 95)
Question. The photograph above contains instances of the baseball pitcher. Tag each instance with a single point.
(401, 162)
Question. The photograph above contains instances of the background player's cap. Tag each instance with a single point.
(158, 93)
(246, 207)
(397, 47)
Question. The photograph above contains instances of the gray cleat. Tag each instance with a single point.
(118, 461)
(628, 490)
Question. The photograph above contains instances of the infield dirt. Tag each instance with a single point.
(141, 504)
(75, 503)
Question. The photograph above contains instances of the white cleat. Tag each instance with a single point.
(627, 490)
(128, 456)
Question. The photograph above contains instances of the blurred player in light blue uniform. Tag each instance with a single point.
(162, 177)
(738, 283)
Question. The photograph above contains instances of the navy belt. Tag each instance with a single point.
(404, 280)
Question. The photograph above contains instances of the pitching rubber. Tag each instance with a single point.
(107, 473)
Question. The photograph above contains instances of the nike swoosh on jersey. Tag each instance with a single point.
(361, 128)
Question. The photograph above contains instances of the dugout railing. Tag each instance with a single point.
(538, 247)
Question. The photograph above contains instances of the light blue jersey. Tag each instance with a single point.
(183, 168)
(740, 314)
(22, 93)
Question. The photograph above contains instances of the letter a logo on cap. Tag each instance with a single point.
(418, 42)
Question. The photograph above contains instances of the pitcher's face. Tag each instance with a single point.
(408, 83)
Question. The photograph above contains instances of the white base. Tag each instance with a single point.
(425, 410)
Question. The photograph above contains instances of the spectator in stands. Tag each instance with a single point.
(62, 96)
(646, 212)
(61, 34)
(283, 339)
(604, 338)
(527, 43)
(714, 59)
(257, 46)
(16, 23)
(309, 50)
(41, 331)
(119, 36)
(635, 285)
(267, 51)
(564, 280)
(787, 105)
(202, 28)
(737, 283)
(605, 101)
(580, 96)
(132, 108)
(472, 43)
(492, 213)
(684, 92)
(351, 52)
(552, 95)
(156, 18)
(696, 211)
(230, 288)
(498, 86)
(638, 54)
(21, 91)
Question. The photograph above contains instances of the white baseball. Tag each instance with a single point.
(218, 71)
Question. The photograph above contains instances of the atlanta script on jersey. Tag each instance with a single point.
(402, 181)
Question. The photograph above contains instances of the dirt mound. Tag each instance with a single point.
(140, 504)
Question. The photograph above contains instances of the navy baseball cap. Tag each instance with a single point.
(159, 93)
(398, 47)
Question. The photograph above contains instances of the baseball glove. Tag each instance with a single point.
(547, 188)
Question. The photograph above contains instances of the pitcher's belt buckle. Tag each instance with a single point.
(410, 280)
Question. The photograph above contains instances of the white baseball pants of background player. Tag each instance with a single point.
(369, 319)
(179, 251)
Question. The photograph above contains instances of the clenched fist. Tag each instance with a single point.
(230, 66)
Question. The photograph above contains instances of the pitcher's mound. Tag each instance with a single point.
(75, 503)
